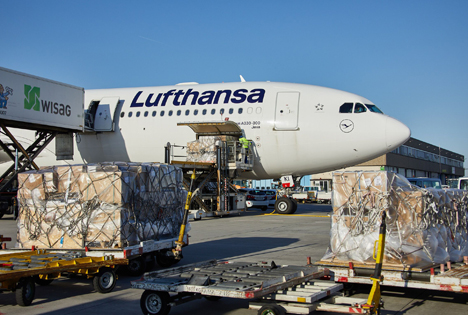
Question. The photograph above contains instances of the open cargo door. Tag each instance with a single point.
(104, 116)
(213, 128)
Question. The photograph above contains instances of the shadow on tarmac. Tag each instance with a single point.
(235, 246)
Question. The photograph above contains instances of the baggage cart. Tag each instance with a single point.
(20, 271)
(446, 277)
(273, 289)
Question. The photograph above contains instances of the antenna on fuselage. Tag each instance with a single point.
(242, 78)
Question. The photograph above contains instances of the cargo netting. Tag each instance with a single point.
(424, 226)
(105, 205)
(204, 148)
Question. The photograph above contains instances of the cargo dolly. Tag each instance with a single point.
(274, 290)
(454, 279)
(19, 271)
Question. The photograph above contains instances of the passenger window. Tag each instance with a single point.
(249, 110)
(239, 111)
(187, 112)
(179, 112)
(231, 111)
(170, 113)
(154, 113)
(122, 114)
(359, 108)
(346, 108)
(221, 111)
(161, 113)
(258, 110)
(130, 114)
(138, 114)
(204, 112)
(213, 111)
(195, 112)
(146, 114)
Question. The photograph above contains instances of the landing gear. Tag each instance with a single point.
(285, 205)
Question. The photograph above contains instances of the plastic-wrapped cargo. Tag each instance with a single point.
(106, 205)
(204, 148)
(424, 226)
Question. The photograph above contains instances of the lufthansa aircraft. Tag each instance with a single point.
(295, 129)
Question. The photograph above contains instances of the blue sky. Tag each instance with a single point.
(408, 57)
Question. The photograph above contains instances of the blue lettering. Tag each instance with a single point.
(256, 97)
(240, 96)
(135, 99)
(176, 98)
(190, 93)
(166, 95)
(180, 97)
(148, 102)
(207, 98)
(226, 98)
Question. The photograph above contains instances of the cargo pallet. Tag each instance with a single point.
(451, 277)
(273, 289)
(19, 271)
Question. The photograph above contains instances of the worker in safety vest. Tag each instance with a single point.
(245, 146)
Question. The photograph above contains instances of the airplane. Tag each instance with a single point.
(295, 129)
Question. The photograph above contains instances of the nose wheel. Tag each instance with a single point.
(285, 205)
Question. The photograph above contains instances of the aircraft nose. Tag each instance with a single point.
(396, 133)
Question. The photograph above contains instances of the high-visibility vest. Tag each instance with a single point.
(244, 142)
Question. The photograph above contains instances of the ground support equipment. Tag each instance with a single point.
(141, 256)
(19, 271)
(273, 289)
(452, 277)
(216, 164)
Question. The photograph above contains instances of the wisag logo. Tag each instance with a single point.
(31, 97)
(32, 101)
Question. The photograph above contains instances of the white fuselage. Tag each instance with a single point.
(295, 129)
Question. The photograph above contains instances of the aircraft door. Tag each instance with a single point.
(287, 111)
(104, 117)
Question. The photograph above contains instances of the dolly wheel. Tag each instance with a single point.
(137, 266)
(271, 310)
(41, 281)
(25, 290)
(164, 260)
(105, 280)
(155, 303)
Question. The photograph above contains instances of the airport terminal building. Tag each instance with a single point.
(415, 158)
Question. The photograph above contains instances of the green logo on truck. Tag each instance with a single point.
(31, 97)
(32, 101)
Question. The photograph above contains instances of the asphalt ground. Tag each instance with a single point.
(252, 236)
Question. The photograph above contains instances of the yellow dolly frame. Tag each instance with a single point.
(20, 271)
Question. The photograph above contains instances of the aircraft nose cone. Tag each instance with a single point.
(396, 133)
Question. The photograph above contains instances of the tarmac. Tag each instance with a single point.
(252, 236)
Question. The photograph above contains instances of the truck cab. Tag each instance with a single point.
(425, 182)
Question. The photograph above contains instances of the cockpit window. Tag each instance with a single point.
(346, 108)
(359, 108)
(374, 108)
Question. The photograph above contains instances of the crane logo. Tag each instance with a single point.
(31, 97)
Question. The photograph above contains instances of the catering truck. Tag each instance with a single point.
(27, 100)
(53, 110)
